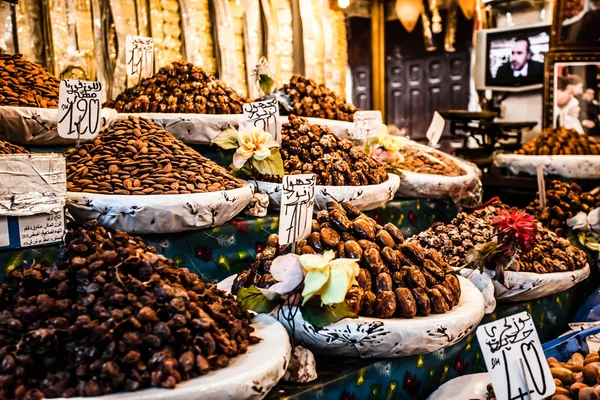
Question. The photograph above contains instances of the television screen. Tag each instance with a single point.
(515, 57)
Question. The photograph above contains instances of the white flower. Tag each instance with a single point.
(254, 144)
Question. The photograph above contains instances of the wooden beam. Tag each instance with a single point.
(378, 54)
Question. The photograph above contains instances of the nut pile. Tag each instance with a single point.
(134, 156)
(469, 231)
(112, 315)
(423, 162)
(9, 148)
(396, 279)
(179, 88)
(26, 84)
(310, 99)
(308, 148)
(576, 379)
(560, 141)
(563, 201)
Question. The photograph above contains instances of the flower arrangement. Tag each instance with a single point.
(316, 284)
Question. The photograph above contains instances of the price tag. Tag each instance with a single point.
(541, 186)
(264, 115)
(297, 204)
(515, 359)
(366, 124)
(4, 239)
(40, 229)
(593, 341)
(79, 109)
(139, 52)
(435, 130)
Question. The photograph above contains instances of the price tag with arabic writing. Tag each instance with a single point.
(515, 359)
(139, 52)
(79, 104)
(264, 115)
(297, 204)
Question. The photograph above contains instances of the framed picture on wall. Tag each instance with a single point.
(576, 24)
(572, 92)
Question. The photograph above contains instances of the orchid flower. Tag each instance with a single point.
(585, 222)
(253, 144)
(328, 277)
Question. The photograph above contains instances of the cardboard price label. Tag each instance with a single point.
(263, 115)
(436, 128)
(515, 359)
(541, 186)
(79, 104)
(139, 52)
(297, 204)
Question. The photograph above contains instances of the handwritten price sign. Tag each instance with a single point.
(515, 360)
(79, 109)
(140, 56)
(297, 203)
(263, 115)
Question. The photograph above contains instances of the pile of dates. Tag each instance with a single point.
(560, 141)
(309, 99)
(563, 201)
(396, 279)
(314, 149)
(111, 316)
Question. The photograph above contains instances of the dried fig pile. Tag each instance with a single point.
(179, 88)
(560, 141)
(423, 162)
(466, 232)
(563, 201)
(9, 148)
(309, 99)
(135, 156)
(26, 84)
(396, 279)
(308, 148)
(112, 315)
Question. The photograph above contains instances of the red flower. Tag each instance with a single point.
(515, 229)
(240, 226)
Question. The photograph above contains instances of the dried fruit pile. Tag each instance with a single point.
(309, 99)
(135, 156)
(560, 141)
(9, 148)
(469, 231)
(423, 162)
(112, 316)
(308, 148)
(179, 88)
(26, 84)
(576, 379)
(396, 279)
(563, 201)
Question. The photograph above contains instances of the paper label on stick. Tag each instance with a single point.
(41, 229)
(4, 238)
(139, 52)
(264, 115)
(541, 186)
(79, 104)
(297, 204)
(436, 128)
(515, 359)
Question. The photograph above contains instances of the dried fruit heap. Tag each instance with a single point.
(310, 99)
(560, 141)
(308, 148)
(469, 231)
(134, 156)
(422, 162)
(180, 88)
(9, 148)
(563, 201)
(26, 84)
(396, 279)
(112, 316)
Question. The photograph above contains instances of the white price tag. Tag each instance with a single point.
(593, 341)
(41, 229)
(264, 115)
(366, 124)
(541, 186)
(434, 133)
(297, 203)
(4, 238)
(515, 359)
(79, 109)
(139, 52)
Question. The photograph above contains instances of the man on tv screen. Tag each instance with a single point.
(520, 65)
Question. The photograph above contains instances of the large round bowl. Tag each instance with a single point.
(164, 213)
(248, 376)
(394, 337)
(472, 387)
(575, 167)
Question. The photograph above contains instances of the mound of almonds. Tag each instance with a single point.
(423, 162)
(26, 84)
(309, 99)
(469, 231)
(179, 88)
(560, 141)
(307, 148)
(9, 148)
(576, 379)
(135, 156)
(396, 279)
(112, 315)
(563, 201)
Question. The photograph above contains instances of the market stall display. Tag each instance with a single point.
(138, 177)
(9, 148)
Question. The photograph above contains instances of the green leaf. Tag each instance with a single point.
(272, 165)
(321, 316)
(265, 83)
(253, 299)
(227, 139)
